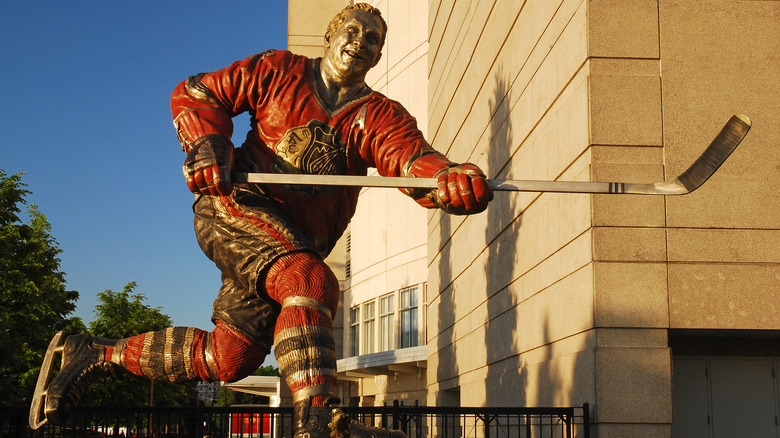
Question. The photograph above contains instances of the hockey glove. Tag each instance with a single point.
(208, 164)
(462, 189)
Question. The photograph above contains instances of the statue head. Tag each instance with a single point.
(353, 42)
(338, 20)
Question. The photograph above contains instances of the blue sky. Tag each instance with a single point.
(85, 114)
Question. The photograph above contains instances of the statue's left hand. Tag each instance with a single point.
(463, 189)
(208, 164)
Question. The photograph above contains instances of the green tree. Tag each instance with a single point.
(122, 315)
(267, 370)
(34, 303)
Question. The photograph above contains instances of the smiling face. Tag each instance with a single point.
(356, 46)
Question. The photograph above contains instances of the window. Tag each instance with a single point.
(408, 310)
(354, 331)
(387, 322)
(368, 327)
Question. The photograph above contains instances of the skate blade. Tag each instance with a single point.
(37, 419)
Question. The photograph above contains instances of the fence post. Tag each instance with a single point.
(195, 429)
(20, 427)
(396, 413)
(586, 419)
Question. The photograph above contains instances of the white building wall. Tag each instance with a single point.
(388, 232)
(389, 229)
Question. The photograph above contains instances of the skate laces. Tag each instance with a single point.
(87, 377)
(97, 366)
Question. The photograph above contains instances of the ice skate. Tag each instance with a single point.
(312, 421)
(331, 422)
(83, 360)
(343, 427)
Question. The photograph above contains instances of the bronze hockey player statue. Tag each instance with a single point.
(312, 116)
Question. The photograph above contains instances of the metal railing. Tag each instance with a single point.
(265, 422)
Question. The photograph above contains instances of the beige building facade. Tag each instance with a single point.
(661, 312)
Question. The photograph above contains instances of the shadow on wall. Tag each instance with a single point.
(518, 374)
(448, 366)
(501, 326)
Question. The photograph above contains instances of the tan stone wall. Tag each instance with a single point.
(307, 21)
(724, 266)
(388, 231)
(512, 290)
(565, 299)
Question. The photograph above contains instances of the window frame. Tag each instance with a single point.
(354, 330)
(387, 326)
(368, 327)
(409, 317)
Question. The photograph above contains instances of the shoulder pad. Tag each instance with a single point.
(197, 89)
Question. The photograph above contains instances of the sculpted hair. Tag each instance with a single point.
(336, 22)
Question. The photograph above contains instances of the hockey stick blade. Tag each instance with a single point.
(699, 172)
(713, 157)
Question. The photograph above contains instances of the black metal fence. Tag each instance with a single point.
(264, 422)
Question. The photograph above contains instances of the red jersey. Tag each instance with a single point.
(293, 132)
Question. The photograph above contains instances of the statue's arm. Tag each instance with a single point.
(203, 107)
(398, 148)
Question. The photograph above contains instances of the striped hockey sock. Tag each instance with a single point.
(163, 355)
(303, 336)
(181, 354)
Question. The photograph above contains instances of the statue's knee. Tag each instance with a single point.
(303, 275)
(330, 287)
(234, 355)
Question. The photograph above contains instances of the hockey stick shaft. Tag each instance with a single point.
(416, 183)
(701, 170)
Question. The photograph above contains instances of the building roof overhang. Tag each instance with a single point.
(411, 360)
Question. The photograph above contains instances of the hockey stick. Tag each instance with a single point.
(700, 171)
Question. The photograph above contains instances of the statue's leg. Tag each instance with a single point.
(283, 294)
(182, 354)
(305, 348)
(303, 337)
(177, 354)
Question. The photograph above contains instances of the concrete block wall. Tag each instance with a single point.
(724, 268)
(307, 22)
(565, 299)
(388, 229)
(511, 290)
(388, 232)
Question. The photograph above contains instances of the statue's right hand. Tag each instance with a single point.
(208, 164)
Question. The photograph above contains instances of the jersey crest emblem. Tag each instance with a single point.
(314, 148)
